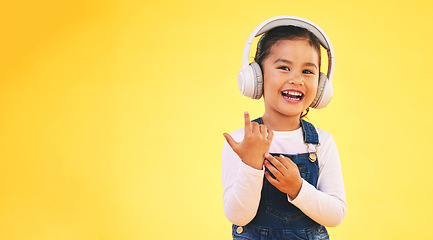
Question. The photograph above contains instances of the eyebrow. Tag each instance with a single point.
(289, 62)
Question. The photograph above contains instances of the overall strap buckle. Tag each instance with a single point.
(310, 136)
(312, 155)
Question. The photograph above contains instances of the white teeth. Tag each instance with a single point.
(292, 93)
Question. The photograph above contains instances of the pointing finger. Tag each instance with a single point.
(247, 122)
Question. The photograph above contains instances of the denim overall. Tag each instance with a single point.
(276, 217)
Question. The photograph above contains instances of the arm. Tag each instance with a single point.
(242, 186)
(242, 171)
(326, 204)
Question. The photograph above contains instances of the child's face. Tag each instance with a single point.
(291, 73)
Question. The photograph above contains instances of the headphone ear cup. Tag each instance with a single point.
(250, 81)
(324, 92)
(258, 80)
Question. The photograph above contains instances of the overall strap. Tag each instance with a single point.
(309, 131)
(258, 120)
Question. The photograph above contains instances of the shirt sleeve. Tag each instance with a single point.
(327, 204)
(242, 186)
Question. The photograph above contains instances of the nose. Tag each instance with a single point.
(296, 79)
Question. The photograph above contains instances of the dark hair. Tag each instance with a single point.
(290, 32)
(284, 33)
(304, 114)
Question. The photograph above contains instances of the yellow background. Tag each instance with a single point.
(112, 114)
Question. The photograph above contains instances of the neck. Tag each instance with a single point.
(281, 122)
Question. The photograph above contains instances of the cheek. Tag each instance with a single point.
(270, 80)
(312, 88)
(315, 85)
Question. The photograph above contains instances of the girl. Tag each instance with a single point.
(282, 176)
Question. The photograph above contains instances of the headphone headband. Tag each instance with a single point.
(292, 21)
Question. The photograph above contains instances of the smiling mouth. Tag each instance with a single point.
(292, 95)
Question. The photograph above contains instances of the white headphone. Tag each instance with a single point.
(250, 79)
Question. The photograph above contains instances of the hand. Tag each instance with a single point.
(256, 142)
(287, 178)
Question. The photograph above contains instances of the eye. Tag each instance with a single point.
(306, 71)
(284, 68)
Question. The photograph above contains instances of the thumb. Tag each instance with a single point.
(233, 144)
